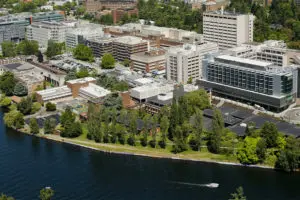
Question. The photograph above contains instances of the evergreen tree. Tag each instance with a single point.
(49, 125)
(40, 57)
(238, 195)
(198, 129)
(34, 127)
(270, 133)
(214, 140)
(67, 116)
(20, 90)
(25, 106)
(164, 127)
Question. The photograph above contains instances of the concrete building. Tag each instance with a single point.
(271, 51)
(150, 61)
(57, 16)
(25, 73)
(42, 32)
(93, 6)
(185, 62)
(59, 2)
(227, 29)
(84, 88)
(101, 46)
(144, 92)
(81, 34)
(125, 46)
(250, 81)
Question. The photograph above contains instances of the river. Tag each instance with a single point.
(27, 164)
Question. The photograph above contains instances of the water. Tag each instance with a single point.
(27, 164)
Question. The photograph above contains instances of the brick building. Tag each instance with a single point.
(118, 14)
(93, 6)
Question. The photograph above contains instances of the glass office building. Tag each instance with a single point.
(250, 81)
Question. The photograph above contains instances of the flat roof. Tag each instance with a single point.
(54, 93)
(94, 90)
(245, 60)
(131, 40)
(81, 80)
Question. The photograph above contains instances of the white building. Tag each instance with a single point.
(270, 51)
(93, 91)
(227, 29)
(42, 32)
(79, 35)
(185, 62)
(59, 2)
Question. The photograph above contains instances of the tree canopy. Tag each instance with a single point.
(7, 83)
(54, 48)
(107, 61)
(83, 52)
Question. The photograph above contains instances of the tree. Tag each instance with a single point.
(106, 19)
(14, 119)
(71, 130)
(4, 197)
(9, 49)
(34, 127)
(214, 139)
(83, 72)
(238, 195)
(198, 99)
(179, 143)
(190, 81)
(50, 106)
(67, 117)
(270, 133)
(93, 125)
(174, 118)
(164, 127)
(36, 106)
(20, 90)
(82, 52)
(198, 129)
(261, 150)
(7, 83)
(247, 155)
(40, 57)
(113, 101)
(71, 75)
(289, 158)
(107, 61)
(46, 193)
(27, 47)
(54, 49)
(25, 106)
(154, 121)
(146, 127)
(132, 128)
(250, 129)
(126, 62)
(49, 125)
(5, 101)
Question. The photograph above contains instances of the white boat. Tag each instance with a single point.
(212, 185)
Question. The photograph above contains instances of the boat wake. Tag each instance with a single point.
(209, 185)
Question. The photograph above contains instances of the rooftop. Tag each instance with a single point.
(82, 80)
(54, 93)
(94, 91)
(19, 66)
(131, 40)
(245, 60)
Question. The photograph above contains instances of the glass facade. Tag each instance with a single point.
(240, 78)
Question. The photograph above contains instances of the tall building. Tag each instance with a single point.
(12, 28)
(125, 46)
(57, 16)
(44, 31)
(81, 34)
(101, 46)
(227, 29)
(185, 62)
(250, 81)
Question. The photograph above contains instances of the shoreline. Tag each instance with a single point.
(56, 138)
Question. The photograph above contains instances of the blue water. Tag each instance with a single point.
(27, 164)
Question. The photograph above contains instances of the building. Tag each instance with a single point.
(117, 14)
(25, 73)
(42, 32)
(185, 62)
(81, 34)
(93, 6)
(12, 28)
(101, 46)
(59, 2)
(76, 84)
(227, 29)
(57, 16)
(150, 61)
(144, 92)
(84, 88)
(271, 51)
(251, 81)
(125, 46)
